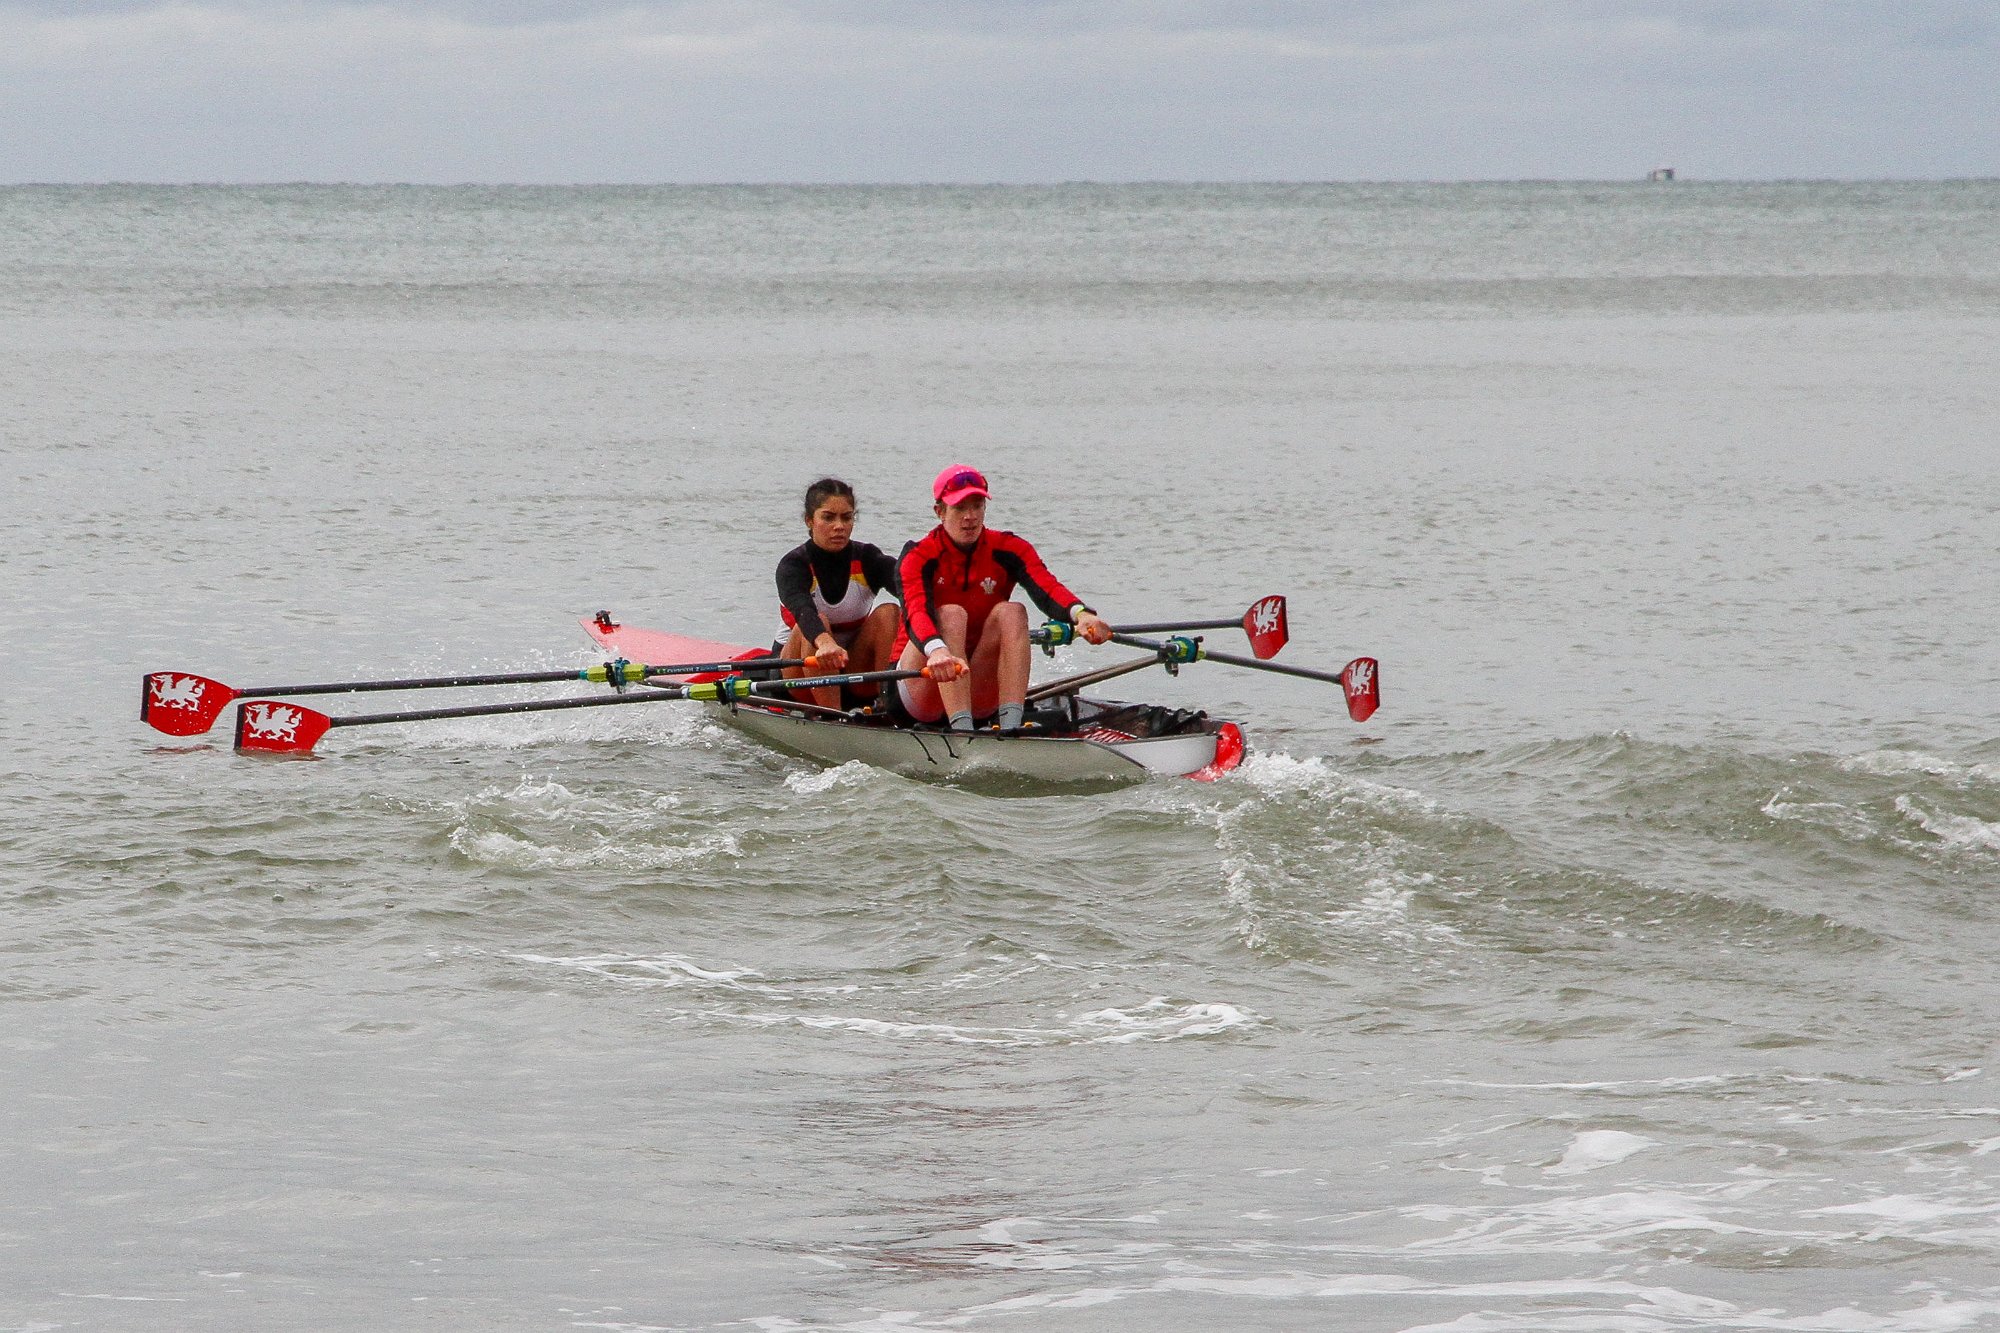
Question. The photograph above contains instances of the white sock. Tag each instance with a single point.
(1010, 716)
(961, 721)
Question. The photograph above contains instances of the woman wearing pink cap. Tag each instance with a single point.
(959, 616)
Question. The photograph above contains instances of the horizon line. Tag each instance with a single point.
(1068, 183)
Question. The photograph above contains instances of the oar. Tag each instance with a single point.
(182, 704)
(1361, 679)
(1263, 624)
(1071, 684)
(267, 726)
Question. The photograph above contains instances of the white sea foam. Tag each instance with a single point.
(1832, 815)
(514, 852)
(1596, 1148)
(1613, 1084)
(817, 782)
(1342, 853)
(549, 799)
(658, 970)
(1161, 1020)
(1277, 774)
(1958, 832)
(1891, 763)
(1383, 912)
(544, 824)
(1599, 1305)
(1911, 1209)
(1593, 1223)
(949, 1033)
(1157, 1020)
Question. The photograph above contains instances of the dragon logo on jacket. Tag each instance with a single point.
(272, 722)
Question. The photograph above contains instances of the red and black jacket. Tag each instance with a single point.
(936, 572)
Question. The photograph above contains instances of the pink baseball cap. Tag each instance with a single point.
(956, 482)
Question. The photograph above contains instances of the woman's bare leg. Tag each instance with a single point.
(1001, 662)
(930, 701)
(870, 649)
(827, 696)
(875, 638)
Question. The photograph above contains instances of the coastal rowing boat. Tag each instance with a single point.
(1066, 737)
(1072, 740)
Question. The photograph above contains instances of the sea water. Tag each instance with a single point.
(1631, 970)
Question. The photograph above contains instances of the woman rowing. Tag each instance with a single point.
(959, 616)
(827, 587)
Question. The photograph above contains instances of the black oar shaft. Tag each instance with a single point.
(513, 678)
(420, 683)
(1071, 684)
(1331, 677)
(1233, 660)
(1170, 626)
(527, 706)
(717, 691)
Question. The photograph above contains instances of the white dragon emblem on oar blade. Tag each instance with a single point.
(271, 722)
(171, 691)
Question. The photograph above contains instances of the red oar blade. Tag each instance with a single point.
(264, 726)
(1362, 680)
(1264, 622)
(181, 704)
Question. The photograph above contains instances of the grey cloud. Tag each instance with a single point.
(1951, 23)
(537, 90)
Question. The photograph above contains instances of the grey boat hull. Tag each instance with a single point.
(1097, 757)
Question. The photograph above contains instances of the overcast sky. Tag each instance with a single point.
(995, 90)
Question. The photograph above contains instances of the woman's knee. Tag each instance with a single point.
(1010, 619)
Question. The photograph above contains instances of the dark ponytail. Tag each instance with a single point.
(825, 489)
